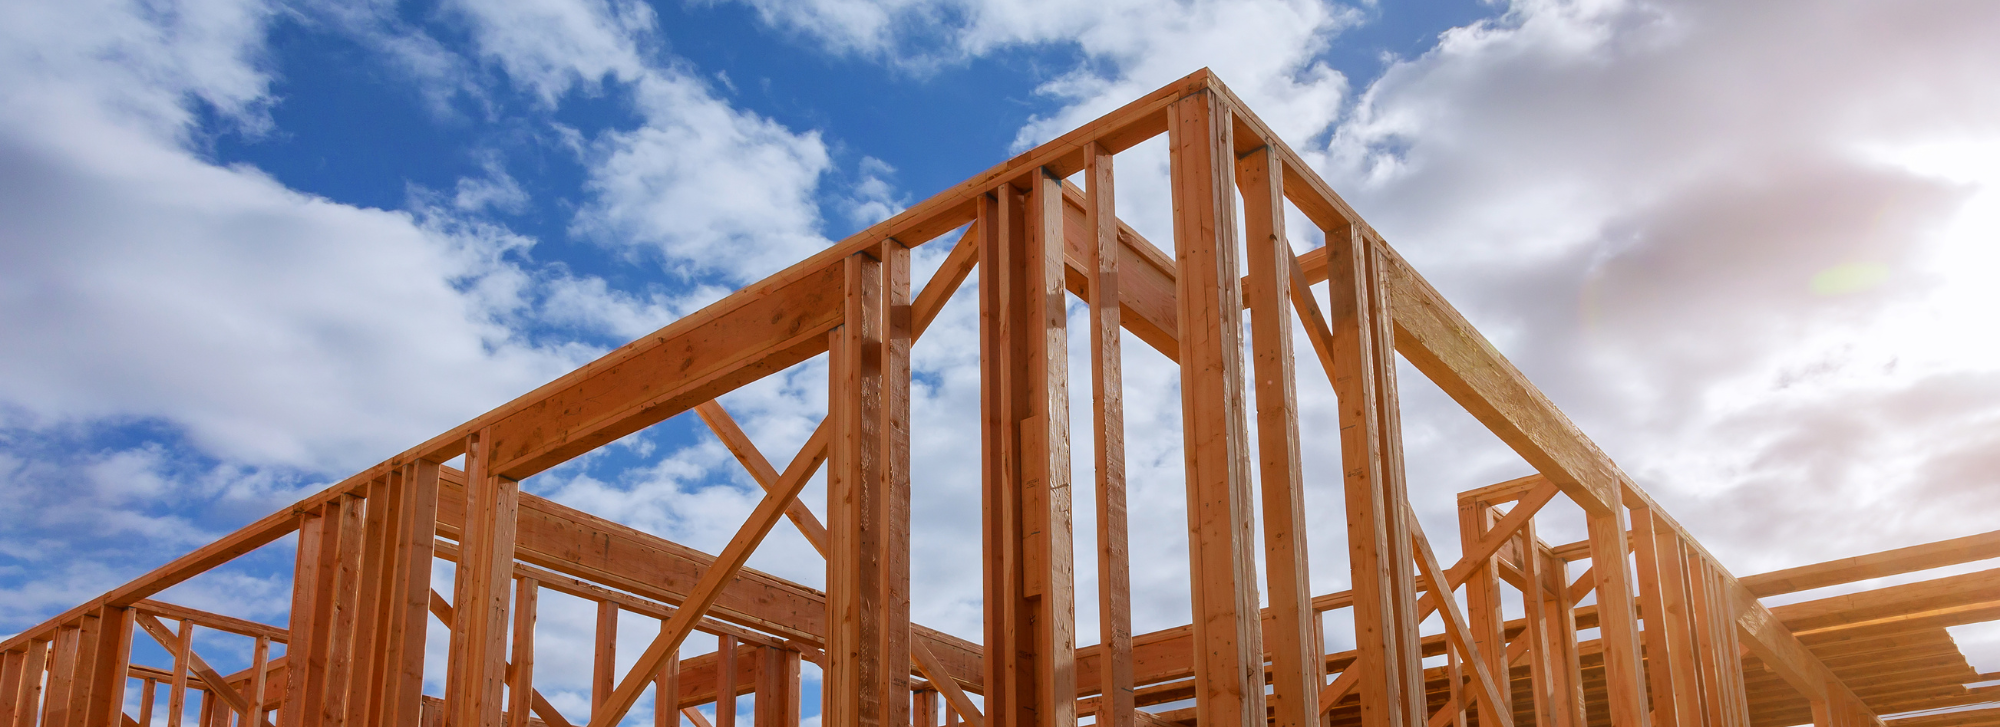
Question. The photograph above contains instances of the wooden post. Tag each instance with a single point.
(1533, 606)
(1617, 619)
(1732, 664)
(1455, 687)
(62, 672)
(868, 497)
(1707, 641)
(62, 676)
(1024, 402)
(338, 641)
(777, 702)
(604, 656)
(520, 692)
(725, 681)
(106, 706)
(1114, 576)
(1298, 669)
(409, 615)
(1722, 653)
(1380, 559)
(28, 703)
(1482, 596)
(312, 586)
(21, 684)
(667, 692)
(923, 708)
(328, 543)
(1229, 654)
(372, 600)
(1823, 714)
(148, 696)
(83, 670)
(1670, 557)
(482, 593)
(260, 666)
(177, 689)
(12, 664)
(1660, 664)
(1565, 666)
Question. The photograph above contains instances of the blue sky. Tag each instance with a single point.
(248, 247)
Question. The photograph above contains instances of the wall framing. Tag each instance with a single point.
(1681, 642)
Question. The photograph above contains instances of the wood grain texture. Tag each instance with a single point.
(868, 577)
(13, 666)
(1482, 595)
(604, 656)
(725, 681)
(738, 443)
(1370, 445)
(1114, 577)
(1024, 403)
(777, 702)
(1228, 637)
(1618, 618)
(1662, 664)
(1290, 625)
(106, 701)
(483, 590)
(1875, 565)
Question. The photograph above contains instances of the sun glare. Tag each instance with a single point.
(1953, 326)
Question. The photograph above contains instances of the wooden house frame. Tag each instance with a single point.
(1680, 641)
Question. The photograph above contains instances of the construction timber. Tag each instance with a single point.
(1668, 638)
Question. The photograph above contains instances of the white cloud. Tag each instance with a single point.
(130, 64)
(497, 190)
(146, 292)
(712, 188)
(284, 337)
(1679, 218)
(552, 46)
(708, 187)
(142, 282)
(873, 198)
(590, 304)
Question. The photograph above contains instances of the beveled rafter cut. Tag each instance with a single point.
(1680, 642)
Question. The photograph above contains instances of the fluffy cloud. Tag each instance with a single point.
(713, 189)
(151, 299)
(1701, 228)
(700, 185)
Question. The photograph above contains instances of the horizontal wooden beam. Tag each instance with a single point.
(1504, 492)
(1912, 598)
(1905, 624)
(670, 372)
(1875, 565)
(551, 580)
(215, 621)
(577, 544)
